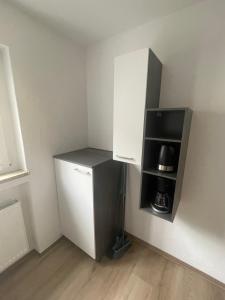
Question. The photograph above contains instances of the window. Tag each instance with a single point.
(11, 145)
(4, 158)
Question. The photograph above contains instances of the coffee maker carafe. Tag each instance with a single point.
(162, 201)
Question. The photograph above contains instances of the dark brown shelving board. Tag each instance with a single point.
(161, 139)
(154, 172)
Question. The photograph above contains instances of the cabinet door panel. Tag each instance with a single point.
(130, 84)
(75, 194)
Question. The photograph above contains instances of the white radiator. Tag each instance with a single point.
(13, 238)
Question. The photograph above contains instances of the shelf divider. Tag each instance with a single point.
(172, 175)
(167, 217)
(161, 139)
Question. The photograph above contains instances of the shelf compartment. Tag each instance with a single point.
(166, 124)
(172, 175)
(148, 192)
(152, 150)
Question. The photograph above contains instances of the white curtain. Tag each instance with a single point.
(4, 158)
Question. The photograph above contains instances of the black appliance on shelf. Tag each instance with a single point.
(166, 161)
(162, 201)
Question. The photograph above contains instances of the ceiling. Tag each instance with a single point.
(88, 21)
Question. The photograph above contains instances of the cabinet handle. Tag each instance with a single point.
(82, 172)
(125, 157)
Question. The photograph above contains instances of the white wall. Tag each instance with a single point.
(49, 78)
(22, 194)
(191, 46)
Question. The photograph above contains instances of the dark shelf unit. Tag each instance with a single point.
(164, 126)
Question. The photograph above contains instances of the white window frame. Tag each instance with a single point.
(4, 157)
(12, 155)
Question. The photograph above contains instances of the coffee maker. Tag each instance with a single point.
(166, 162)
(162, 201)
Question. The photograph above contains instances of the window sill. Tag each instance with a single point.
(13, 179)
(13, 175)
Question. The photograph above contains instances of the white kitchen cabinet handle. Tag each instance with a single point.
(125, 157)
(82, 172)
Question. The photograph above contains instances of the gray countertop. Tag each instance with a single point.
(89, 157)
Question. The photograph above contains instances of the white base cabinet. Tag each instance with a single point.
(75, 193)
(88, 185)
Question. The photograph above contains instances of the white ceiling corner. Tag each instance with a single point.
(88, 21)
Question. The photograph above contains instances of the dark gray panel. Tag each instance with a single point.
(107, 180)
(182, 159)
(153, 81)
(88, 157)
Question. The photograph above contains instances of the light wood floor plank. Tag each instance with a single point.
(64, 272)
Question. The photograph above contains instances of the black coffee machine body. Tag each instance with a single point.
(166, 161)
(162, 201)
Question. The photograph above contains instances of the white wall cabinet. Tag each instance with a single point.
(137, 79)
(88, 194)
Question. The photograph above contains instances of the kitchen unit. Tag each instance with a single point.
(137, 80)
(141, 128)
(88, 186)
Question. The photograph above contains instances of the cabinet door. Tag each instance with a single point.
(75, 194)
(130, 84)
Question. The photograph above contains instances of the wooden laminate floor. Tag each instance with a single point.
(64, 272)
